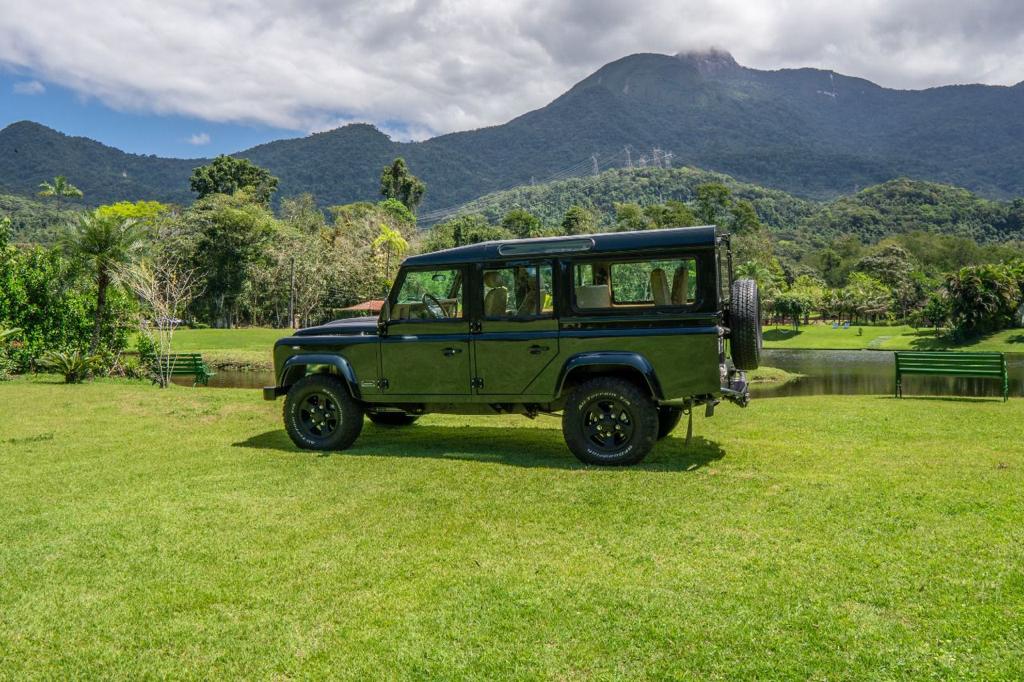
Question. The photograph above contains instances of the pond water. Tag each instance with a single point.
(838, 372)
(850, 372)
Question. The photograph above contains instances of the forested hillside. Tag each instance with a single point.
(810, 132)
(895, 207)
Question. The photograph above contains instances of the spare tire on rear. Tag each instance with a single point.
(745, 325)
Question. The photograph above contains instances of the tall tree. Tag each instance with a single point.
(713, 201)
(521, 223)
(105, 247)
(60, 188)
(397, 182)
(579, 220)
(227, 175)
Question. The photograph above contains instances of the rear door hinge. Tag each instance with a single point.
(477, 382)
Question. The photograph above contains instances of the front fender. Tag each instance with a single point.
(336, 361)
(611, 360)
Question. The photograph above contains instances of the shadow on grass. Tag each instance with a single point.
(780, 334)
(522, 447)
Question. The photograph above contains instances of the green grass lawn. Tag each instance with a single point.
(900, 337)
(178, 534)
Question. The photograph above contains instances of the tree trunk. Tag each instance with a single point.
(102, 282)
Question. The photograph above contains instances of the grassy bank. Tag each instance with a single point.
(178, 534)
(900, 337)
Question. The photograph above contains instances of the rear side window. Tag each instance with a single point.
(631, 284)
(518, 291)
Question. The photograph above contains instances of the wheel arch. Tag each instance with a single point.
(630, 366)
(297, 366)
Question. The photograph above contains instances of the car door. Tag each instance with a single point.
(425, 350)
(517, 333)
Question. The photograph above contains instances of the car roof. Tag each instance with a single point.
(583, 244)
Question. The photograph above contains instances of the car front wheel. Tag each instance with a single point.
(319, 414)
(609, 421)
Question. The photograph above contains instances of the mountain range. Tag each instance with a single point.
(810, 132)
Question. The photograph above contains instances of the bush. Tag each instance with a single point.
(147, 348)
(75, 365)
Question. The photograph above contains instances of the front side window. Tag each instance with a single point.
(429, 295)
(665, 282)
(518, 291)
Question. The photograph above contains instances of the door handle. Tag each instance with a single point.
(449, 352)
(537, 350)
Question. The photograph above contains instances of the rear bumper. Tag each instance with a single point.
(273, 392)
(737, 390)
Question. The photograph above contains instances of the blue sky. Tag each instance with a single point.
(27, 98)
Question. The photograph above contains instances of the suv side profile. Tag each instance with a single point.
(623, 333)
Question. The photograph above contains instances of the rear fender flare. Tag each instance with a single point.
(611, 361)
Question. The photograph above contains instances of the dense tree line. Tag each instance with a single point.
(903, 251)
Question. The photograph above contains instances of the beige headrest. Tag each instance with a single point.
(594, 296)
(492, 278)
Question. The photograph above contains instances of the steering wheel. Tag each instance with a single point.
(434, 307)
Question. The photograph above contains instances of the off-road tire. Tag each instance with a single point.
(668, 420)
(322, 399)
(745, 325)
(597, 407)
(389, 419)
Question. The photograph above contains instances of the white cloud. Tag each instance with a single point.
(198, 139)
(421, 67)
(29, 88)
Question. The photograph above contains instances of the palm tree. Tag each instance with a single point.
(106, 247)
(59, 188)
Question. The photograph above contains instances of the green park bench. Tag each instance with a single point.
(942, 363)
(185, 364)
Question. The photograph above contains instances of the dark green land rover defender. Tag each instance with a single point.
(622, 333)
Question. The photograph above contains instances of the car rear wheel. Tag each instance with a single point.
(609, 421)
(668, 420)
(319, 414)
(392, 418)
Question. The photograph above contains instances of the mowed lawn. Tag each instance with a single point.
(899, 337)
(178, 534)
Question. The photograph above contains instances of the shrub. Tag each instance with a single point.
(74, 365)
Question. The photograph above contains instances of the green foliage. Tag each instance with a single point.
(521, 224)
(227, 175)
(224, 237)
(468, 229)
(54, 305)
(74, 365)
(982, 299)
(579, 220)
(33, 221)
(397, 182)
(302, 213)
(629, 217)
(145, 213)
